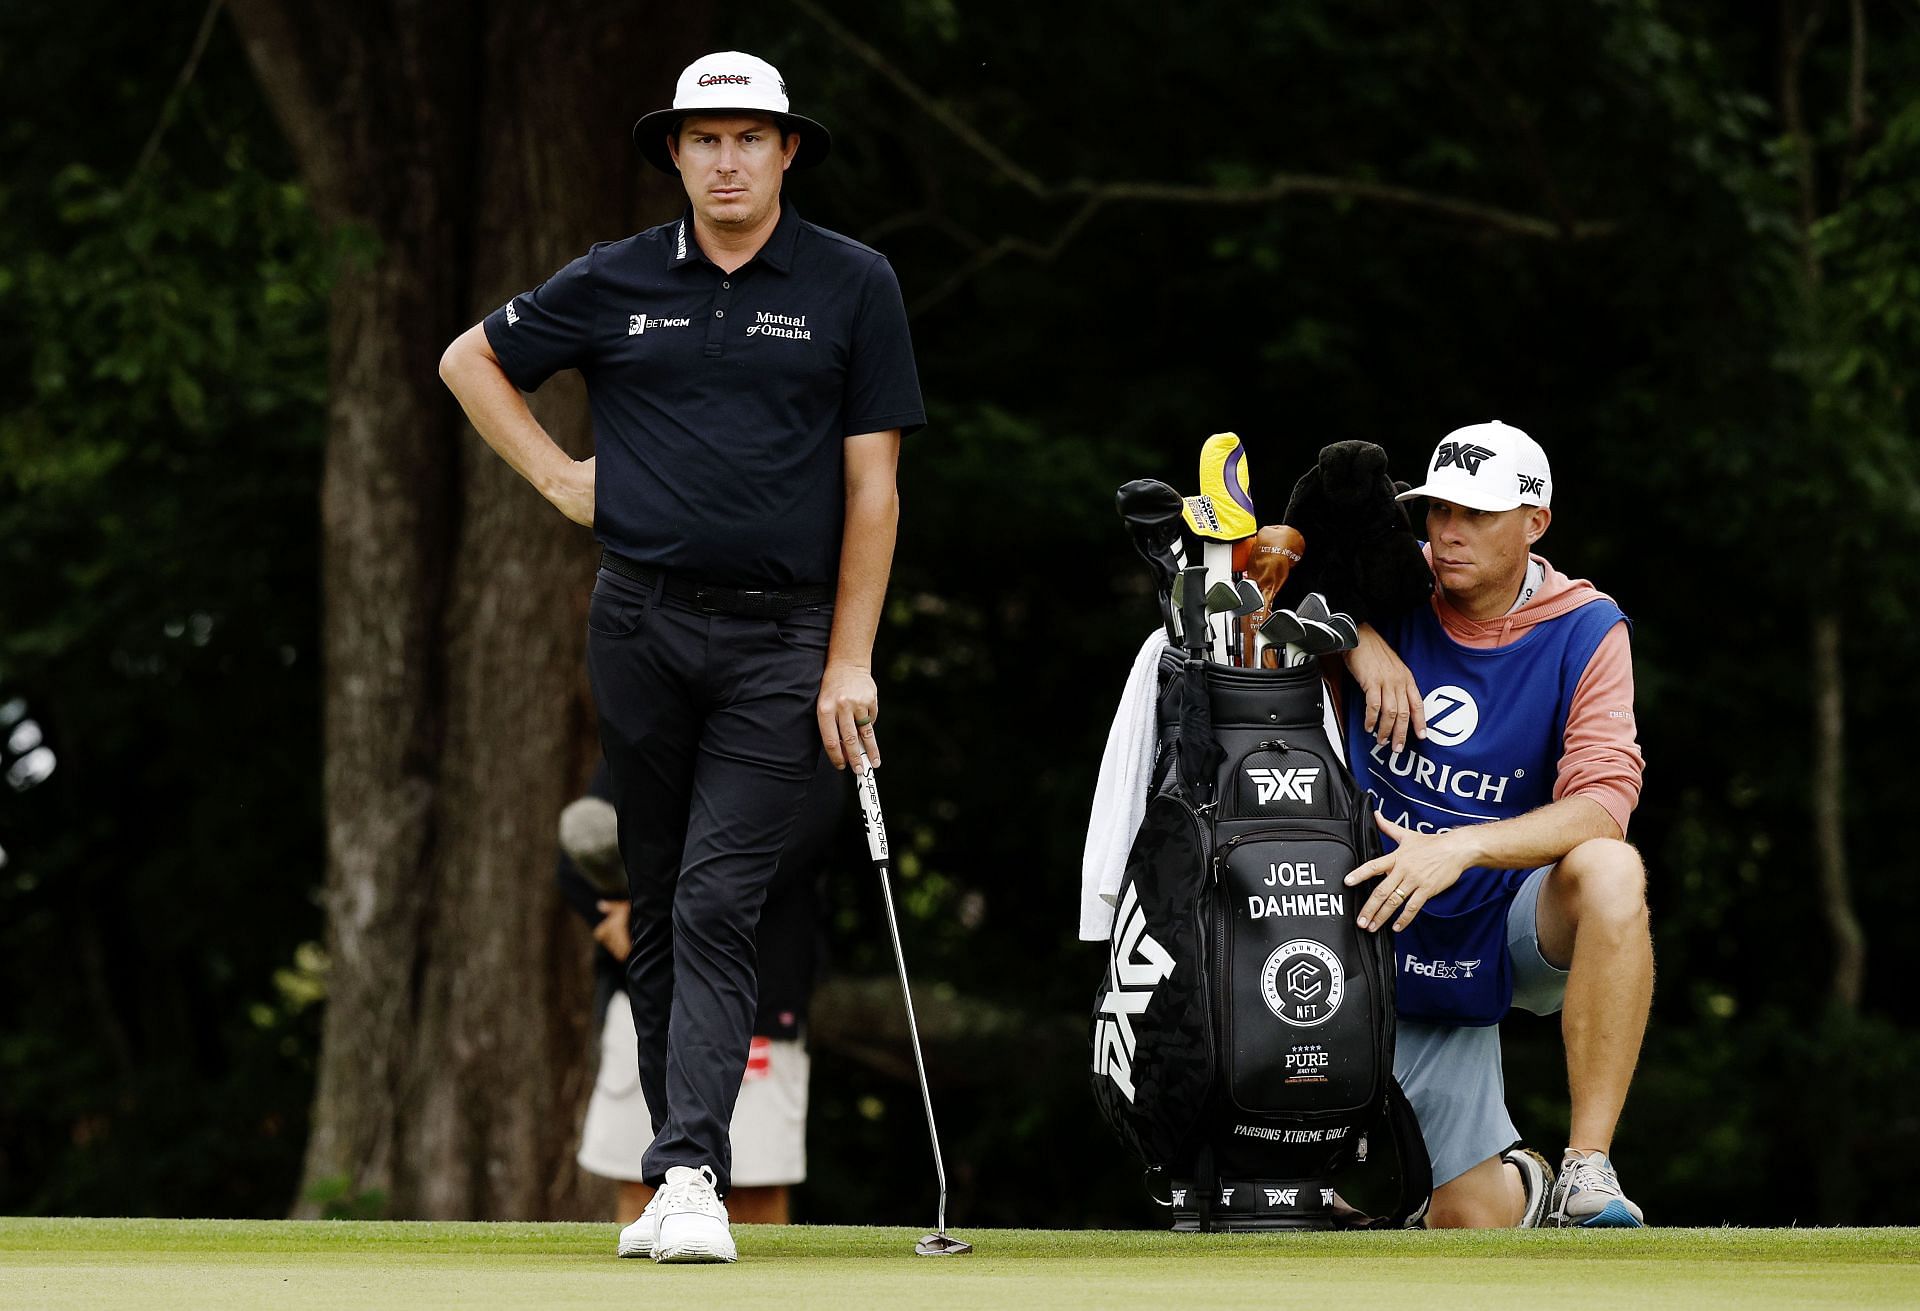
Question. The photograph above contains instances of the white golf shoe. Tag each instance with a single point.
(637, 1238)
(1589, 1195)
(693, 1220)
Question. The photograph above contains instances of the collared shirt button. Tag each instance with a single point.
(726, 286)
(719, 314)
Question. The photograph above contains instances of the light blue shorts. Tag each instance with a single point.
(1452, 1075)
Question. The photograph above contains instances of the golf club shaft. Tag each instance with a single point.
(880, 850)
(913, 1031)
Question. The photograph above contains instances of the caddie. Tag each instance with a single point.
(1494, 729)
(750, 377)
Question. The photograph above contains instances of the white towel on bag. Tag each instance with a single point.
(1120, 796)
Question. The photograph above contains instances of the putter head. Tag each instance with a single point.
(1225, 481)
(941, 1244)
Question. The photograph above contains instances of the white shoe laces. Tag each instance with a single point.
(1590, 1173)
(692, 1191)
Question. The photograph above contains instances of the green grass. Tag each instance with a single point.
(285, 1265)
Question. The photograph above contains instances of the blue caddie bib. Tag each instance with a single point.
(1496, 728)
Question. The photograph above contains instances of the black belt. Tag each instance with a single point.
(741, 602)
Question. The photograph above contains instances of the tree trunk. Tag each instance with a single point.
(480, 149)
(1829, 784)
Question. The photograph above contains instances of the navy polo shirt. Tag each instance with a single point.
(721, 400)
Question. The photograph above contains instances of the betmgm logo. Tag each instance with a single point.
(1135, 966)
(639, 323)
(1464, 455)
(1285, 784)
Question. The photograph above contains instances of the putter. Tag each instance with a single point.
(1216, 554)
(1221, 516)
(1151, 510)
(937, 1243)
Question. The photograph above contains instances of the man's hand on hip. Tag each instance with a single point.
(611, 931)
(1422, 866)
(849, 703)
(572, 493)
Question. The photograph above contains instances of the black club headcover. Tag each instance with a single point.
(1361, 552)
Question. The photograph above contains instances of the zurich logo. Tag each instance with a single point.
(1452, 715)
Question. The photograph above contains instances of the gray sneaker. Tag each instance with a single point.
(1536, 1177)
(1589, 1195)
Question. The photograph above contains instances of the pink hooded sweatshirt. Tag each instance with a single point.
(1601, 758)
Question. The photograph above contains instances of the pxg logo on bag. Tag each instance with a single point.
(1303, 983)
(1272, 785)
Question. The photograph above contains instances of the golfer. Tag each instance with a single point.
(750, 377)
(1504, 767)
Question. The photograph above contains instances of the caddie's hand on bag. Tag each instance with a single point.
(1422, 866)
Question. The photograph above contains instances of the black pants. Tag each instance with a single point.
(708, 725)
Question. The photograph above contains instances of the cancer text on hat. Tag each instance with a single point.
(731, 79)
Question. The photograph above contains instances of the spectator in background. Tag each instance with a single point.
(769, 1126)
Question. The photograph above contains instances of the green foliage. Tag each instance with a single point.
(1735, 443)
(159, 466)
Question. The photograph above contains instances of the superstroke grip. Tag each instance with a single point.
(869, 792)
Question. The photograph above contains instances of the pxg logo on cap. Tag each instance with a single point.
(1487, 466)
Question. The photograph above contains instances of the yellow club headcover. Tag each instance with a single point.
(1225, 481)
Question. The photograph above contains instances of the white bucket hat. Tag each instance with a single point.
(729, 82)
(1487, 466)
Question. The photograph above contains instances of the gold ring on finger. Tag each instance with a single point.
(1398, 894)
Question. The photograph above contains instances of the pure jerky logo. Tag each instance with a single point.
(725, 79)
(1464, 454)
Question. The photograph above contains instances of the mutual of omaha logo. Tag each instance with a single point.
(1135, 966)
(1452, 715)
(1303, 983)
(639, 323)
(791, 326)
(1285, 784)
(1465, 454)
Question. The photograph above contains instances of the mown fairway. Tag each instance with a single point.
(155, 1264)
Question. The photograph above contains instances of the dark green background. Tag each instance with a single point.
(1735, 451)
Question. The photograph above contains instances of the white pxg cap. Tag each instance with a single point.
(729, 82)
(1487, 466)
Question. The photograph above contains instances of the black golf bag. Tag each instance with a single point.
(1243, 1037)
